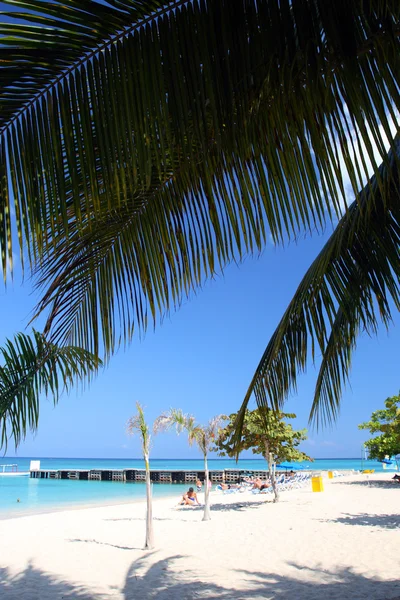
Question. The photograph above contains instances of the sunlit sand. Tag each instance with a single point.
(341, 543)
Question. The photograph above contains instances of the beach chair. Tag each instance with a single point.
(267, 490)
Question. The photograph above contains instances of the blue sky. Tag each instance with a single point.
(201, 359)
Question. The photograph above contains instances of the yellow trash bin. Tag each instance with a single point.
(317, 484)
(330, 475)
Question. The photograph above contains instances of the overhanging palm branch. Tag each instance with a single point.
(229, 115)
(127, 263)
(147, 144)
(32, 368)
(351, 286)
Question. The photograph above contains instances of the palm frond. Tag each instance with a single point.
(32, 367)
(205, 436)
(175, 417)
(146, 144)
(229, 115)
(137, 425)
(129, 263)
(348, 288)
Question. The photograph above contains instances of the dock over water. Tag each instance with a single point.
(139, 475)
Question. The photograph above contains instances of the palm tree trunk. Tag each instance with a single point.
(207, 513)
(272, 475)
(149, 544)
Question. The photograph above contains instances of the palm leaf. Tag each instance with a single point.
(137, 425)
(104, 103)
(175, 417)
(203, 436)
(200, 125)
(32, 368)
(348, 288)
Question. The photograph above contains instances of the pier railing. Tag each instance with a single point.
(156, 476)
(12, 467)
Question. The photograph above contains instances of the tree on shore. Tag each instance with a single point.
(204, 436)
(264, 432)
(137, 426)
(385, 422)
(146, 145)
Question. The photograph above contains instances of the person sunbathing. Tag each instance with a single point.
(190, 498)
(265, 485)
(257, 483)
(229, 486)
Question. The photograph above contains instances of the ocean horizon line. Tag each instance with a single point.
(159, 458)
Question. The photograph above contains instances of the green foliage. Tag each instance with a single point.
(144, 145)
(264, 432)
(32, 367)
(385, 421)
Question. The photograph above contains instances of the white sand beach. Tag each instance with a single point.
(341, 543)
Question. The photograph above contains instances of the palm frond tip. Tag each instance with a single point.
(348, 288)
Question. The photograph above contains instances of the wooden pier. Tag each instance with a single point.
(138, 475)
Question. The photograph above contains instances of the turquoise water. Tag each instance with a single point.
(182, 464)
(45, 495)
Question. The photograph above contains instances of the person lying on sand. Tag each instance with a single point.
(190, 498)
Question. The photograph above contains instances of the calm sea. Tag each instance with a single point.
(45, 495)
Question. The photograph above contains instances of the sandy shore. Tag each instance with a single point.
(342, 543)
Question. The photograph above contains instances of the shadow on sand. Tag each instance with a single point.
(167, 579)
(34, 584)
(82, 541)
(238, 506)
(219, 506)
(384, 521)
(388, 484)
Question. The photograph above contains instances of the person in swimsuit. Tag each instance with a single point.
(190, 498)
(225, 486)
(265, 485)
(199, 485)
(257, 483)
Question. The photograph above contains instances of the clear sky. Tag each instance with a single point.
(201, 359)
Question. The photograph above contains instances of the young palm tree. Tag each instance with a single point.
(138, 426)
(203, 436)
(144, 145)
(32, 367)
